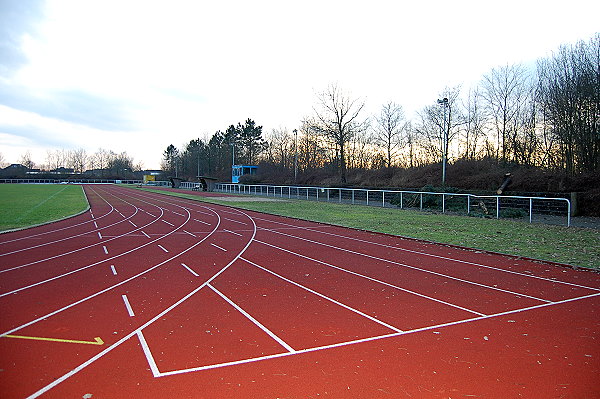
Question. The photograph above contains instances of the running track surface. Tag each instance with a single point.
(150, 296)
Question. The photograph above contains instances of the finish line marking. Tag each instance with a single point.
(97, 340)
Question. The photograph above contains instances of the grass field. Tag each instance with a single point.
(570, 245)
(23, 205)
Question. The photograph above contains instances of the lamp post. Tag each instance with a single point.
(295, 154)
(198, 149)
(444, 103)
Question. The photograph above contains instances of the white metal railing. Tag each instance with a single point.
(486, 205)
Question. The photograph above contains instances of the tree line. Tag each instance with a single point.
(102, 163)
(547, 116)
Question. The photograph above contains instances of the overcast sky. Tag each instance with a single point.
(136, 76)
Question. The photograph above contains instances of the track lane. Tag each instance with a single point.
(156, 293)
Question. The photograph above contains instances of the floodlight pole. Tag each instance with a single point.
(198, 149)
(444, 103)
(295, 155)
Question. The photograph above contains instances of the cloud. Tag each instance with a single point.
(17, 19)
(70, 105)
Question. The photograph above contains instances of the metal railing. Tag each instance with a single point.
(496, 206)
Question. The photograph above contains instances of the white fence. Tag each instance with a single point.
(505, 206)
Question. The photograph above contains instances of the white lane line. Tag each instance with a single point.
(128, 305)
(144, 233)
(114, 271)
(232, 232)
(179, 214)
(163, 248)
(371, 279)
(236, 221)
(358, 341)
(376, 320)
(190, 270)
(99, 235)
(428, 254)
(200, 221)
(252, 319)
(206, 213)
(411, 267)
(146, 349)
(192, 234)
(105, 250)
(85, 364)
(169, 223)
(216, 246)
(134, 225)
(95, 224)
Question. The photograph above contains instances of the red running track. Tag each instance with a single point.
(159, 297)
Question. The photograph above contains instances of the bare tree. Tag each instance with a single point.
(505, 90)
(569, 83)
(78, 160)
(281, 147)
(311, 149)
(439, 125)
(2, 161)
(56, 159)
(390, 125)
(102, 159)
(26, 160)
(475, 123)
(338, 119)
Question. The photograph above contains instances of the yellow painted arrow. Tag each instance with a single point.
(97, 340)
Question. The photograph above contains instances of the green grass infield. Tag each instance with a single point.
(569, 245)
(24, 205)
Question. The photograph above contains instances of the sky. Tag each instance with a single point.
(136, 76)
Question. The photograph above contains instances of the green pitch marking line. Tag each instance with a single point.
(97, 340)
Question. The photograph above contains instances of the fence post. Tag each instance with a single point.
(530, 209)
(383, 199)
(468, 204)
(340, 195)
(401, 199)
(421, 206)
(352, 196)
(497, 207)
(367, 197)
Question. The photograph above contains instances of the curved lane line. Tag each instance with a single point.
(81, 248)
(149, 322)
(108, 288)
